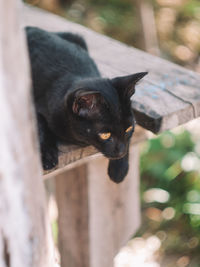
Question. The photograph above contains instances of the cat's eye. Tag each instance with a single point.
(105, 136)
(130, 128)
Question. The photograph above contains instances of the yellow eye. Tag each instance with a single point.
(129, 129)
(105, 136)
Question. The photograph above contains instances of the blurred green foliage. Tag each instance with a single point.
(191, 9)
(114, 18)
(170, 166)
(177, 25)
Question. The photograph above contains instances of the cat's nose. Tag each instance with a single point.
(120, 150)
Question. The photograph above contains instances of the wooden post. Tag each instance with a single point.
(96, 216)
(25, 239)
(72, 200)
(148, 26)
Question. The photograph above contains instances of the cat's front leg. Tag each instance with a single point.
(48, 144)
(118, 169)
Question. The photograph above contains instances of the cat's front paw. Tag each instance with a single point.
(118, 169)
(49, 158)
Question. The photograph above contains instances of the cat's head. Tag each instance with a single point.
(100, 113)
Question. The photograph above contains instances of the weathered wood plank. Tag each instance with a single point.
(73, 220)
(96, 216)
(25, 239)
(170, 94)
(115, 210)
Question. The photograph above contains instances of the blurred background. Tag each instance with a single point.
(170, 163)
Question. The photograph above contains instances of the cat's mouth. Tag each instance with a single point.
(115, 157)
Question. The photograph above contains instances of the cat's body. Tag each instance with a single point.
(74, 104)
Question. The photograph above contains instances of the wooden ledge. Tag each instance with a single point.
(167, 97)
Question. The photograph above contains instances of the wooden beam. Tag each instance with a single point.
(167, 97)
(96, 216)
(73, 219)
(148, 26)
(25, 239)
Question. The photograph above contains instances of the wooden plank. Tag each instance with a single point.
(100, 216)
(170, 94)
(25, 238)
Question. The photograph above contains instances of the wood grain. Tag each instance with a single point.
(170, 94)
(73, 221)
(96, 216)
(114, 210)
(25, 238)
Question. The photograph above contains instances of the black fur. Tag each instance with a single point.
(75, 104)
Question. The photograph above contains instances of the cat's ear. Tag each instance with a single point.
(126, 84)
(87, 103)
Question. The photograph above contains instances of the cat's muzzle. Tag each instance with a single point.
(117, 155)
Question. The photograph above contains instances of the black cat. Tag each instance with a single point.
(75, 105)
